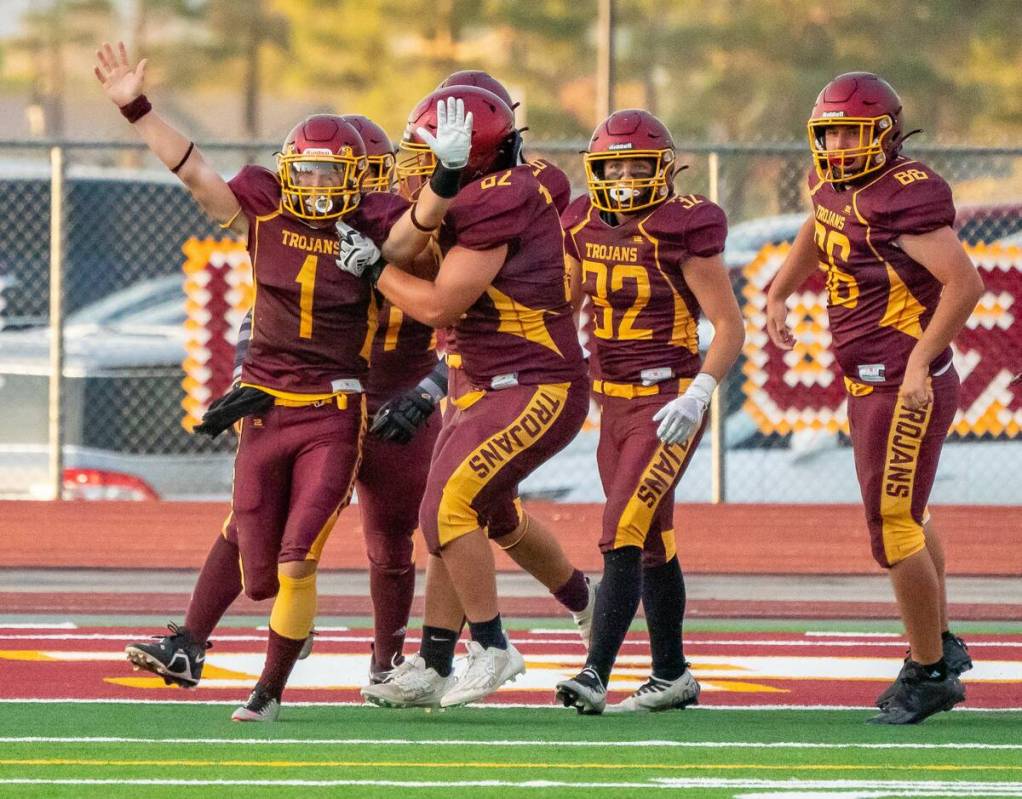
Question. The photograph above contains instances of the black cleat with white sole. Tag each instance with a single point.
(177, 658)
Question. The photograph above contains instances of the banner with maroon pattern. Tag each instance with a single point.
(218, 287)
(802, 389)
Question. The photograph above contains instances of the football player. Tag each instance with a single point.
(900, 286)
(400, 438)
(501, 287)
(301, 402)
(530, 544)
(649, 260)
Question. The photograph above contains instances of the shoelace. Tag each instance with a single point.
(652, 686)
(414, 682)
(480, 669)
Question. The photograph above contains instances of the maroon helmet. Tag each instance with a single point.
(495, 141)
(320, 167)
(482, 80)
(628, 134)
(379, 152)
(869, 106)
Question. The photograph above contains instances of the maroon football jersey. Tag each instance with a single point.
(403, 352)
(521, 329)
(879, 300)
(553, 179)
(311, 322)
(645, 315)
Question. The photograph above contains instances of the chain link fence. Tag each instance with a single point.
(125, 221)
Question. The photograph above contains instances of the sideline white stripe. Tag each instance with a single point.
(898, 788)
(493, 706)
(64, 625)
(655, 743)
(361, 639)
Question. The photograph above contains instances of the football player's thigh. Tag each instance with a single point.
(392, 480)
(946, 392)
(645, 476)
(322, 476)
(607, 448)
(259, 502)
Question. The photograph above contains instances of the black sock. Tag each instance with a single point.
(488, 633)
(616, 603)
(935, 671)
(437, 649)
(663, 598)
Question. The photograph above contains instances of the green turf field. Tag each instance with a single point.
(173, 750)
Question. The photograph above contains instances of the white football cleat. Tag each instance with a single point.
(410, 684)
(584, 618)
(655, 695)
(488, 669)
(259, 707)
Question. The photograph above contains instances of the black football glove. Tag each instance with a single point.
(233, 405)
(399, 418)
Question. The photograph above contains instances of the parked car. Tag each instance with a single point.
(122, 404)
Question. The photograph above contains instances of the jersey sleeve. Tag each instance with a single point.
(257, 190)
(919, 205)
(376, 214)
(573, 218)
(553, 179)
(706, 230)
(484, 218)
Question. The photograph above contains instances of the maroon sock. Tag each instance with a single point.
(574, 594)
(219, 584)
(392, 596)
(281, 656)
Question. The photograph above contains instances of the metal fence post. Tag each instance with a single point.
(56, 452)
(718, 466)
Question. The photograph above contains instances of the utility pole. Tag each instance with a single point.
(605, 60)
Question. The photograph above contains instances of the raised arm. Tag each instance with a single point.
(451, 146)
(124, 85)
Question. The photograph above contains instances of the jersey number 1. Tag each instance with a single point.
(307, 280)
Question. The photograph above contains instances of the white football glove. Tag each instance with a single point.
(681, 417)
(357, 252)
(453, 139)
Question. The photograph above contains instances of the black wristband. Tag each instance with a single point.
(445, 182)
(373, 272)
(184, 158)
(136, 109)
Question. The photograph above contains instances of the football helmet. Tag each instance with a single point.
(629, 134)
(482, 80)
(495, 141)
(379, 153)
(870, 107)
(320, 167)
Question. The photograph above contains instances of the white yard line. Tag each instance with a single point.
(786, 788)
(441, 742)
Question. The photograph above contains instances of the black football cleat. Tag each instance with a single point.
(917, 697)
(956, 656)
(584, 692)
(177, 658)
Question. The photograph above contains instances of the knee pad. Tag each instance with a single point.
(261, 587)
(390, 554)
(894, 540)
